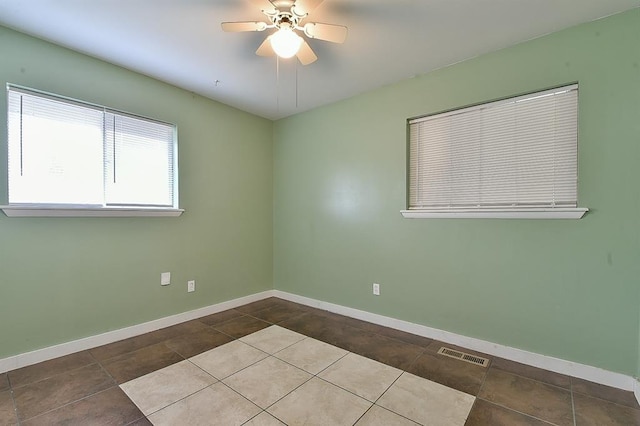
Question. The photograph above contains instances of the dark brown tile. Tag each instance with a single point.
(277, 313)
(121, 347)
(378, 329)
(374, 346)
(331, 330)
(257, 306)
(46, 369)
(604, 392)
(7, 412)
(143, 361)
(48, 394)
(545, 402)
(454, 373)
(4, 382)
(596, 412)
(195, 343)
(353, 322)
(309, 324)
(405, 337)
(534, 373)
(266, 303)
(110, 407)
(178, 330)
(485, 413)
(241, 326)
(220, 317)
(135, 343)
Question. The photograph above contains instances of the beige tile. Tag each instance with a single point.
(427, 402)
(378, 416)
(264, 419)
(319, 403)
(272, 339)
(267, 381)
(311, 355)
(227, 359)
(363, 376)
(164, 387)
(215, 405)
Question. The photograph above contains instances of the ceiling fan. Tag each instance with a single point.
(287, 17)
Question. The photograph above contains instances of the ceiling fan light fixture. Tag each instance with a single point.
(285, 42)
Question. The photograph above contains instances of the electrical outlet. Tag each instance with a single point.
(376, 289)
(191, 286)
(165, 278)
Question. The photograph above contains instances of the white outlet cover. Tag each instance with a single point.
(165, 278)
(376, 289)
(191, 286)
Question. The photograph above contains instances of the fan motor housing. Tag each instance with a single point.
(285, 19)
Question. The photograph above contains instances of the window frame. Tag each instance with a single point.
(544, 212)
(80, 210)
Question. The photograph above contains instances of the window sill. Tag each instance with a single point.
(558, 213)
(40, 211)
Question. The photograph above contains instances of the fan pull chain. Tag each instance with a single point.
(278, 83)
(296, 84)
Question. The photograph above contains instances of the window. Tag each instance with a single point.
(69, 155)
(515, 158)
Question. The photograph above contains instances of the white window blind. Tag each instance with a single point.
(69, 153)
(510, 154)
(139, 161)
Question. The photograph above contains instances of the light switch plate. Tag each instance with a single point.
(165, 278)
(376, 289)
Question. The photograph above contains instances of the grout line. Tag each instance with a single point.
(573, 404)
(297, 315)
(115, 385)
(15, 405)
(174, 402)
(48, 377)
(410, 366)
(248, 420)
(386, 390)
(516, 411)
(531, 379)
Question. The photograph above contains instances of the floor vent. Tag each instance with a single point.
(483, 362)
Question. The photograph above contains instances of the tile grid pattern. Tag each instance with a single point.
(83, 387)
(335, 367)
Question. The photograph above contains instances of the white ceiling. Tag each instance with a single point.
(180, 41)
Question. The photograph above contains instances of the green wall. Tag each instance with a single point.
(563, 288)
(335, 178)
(66, 278)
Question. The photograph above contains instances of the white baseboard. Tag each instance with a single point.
(45, 354)
(557, 365)
(561, 366)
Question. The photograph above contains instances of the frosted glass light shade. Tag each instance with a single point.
(285, 43)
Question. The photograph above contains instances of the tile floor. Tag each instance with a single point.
(274, 362)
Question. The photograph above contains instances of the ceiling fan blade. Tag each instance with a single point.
(305, 54)
(265, 6)
(265, 48)
(303, 7)
(234, 27)
(326, 32)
